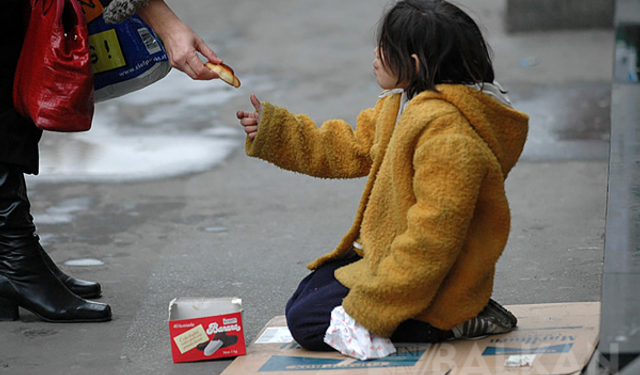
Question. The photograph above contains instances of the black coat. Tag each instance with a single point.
(19, 137)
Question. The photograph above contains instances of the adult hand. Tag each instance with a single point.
(250, 120)
(181, 42)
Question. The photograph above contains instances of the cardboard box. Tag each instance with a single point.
(206, 328)
(550, 339)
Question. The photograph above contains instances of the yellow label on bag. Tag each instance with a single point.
(92, 9)
(106, 52)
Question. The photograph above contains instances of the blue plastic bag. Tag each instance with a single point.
(126, 57)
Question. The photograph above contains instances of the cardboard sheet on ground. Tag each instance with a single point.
(557, 338)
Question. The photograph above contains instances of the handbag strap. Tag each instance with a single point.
(60, 5)
(45, 5)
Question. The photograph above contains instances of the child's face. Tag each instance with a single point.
(386, 79)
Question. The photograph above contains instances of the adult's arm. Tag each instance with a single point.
(181, 42)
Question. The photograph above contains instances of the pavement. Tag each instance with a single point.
(245, 228)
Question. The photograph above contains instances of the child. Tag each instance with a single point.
(418, 263)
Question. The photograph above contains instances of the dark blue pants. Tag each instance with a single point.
(308, 312)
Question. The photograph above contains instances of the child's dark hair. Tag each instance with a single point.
(445, 39)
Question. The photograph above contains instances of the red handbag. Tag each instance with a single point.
(53, 84)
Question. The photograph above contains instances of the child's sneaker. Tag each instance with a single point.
(493, 319)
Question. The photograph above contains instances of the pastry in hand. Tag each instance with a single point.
(225, 73)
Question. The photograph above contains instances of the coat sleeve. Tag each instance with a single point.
(449, 171)
(296, 143)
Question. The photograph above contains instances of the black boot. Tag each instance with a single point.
(84, 289)
(25, 279)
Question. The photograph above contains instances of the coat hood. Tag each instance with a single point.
(502, 128)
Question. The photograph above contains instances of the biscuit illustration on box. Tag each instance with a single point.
(218, 341)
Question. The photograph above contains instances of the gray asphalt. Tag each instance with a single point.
(247, 229)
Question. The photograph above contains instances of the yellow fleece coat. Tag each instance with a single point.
(433, 218)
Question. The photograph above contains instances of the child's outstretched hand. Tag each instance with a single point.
(250, 119)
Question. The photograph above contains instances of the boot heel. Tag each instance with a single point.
(8, 310)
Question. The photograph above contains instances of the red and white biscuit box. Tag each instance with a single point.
(206, 328)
